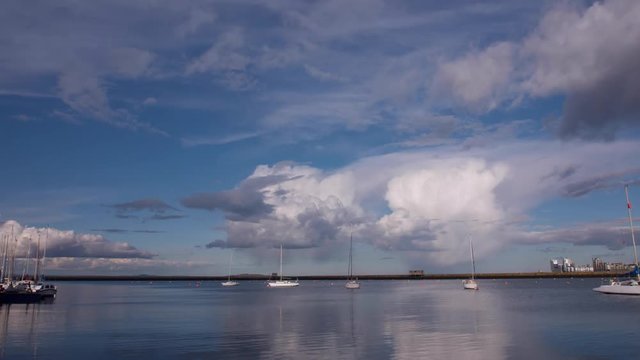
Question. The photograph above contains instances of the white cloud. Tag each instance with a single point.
(574, 49)
(586, 55)
(88, 266)
(68, 243)
(428, 202)
(218, 140)
(478, 80)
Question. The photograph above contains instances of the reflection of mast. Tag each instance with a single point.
(353, 337)
(4, 331)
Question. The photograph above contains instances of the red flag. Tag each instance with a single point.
(628, 204)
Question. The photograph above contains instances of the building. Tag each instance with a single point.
(562, 264)
(599, 265)
(416, 272)
(620, 267)
(584, 268)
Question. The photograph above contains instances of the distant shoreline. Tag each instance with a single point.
(520, 275)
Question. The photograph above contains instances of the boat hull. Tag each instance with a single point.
(282, 284)
(352, 285)
(230, 283)
(20, 297)
(616, 289)
(470, 285)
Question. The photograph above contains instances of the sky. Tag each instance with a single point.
(160, 137)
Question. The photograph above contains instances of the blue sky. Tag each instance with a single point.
(157, 137)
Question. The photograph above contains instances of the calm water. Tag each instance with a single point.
(552, 319)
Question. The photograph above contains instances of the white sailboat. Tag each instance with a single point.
(282, 283)
(471, 284)
(351, 282)
(629, 286)
(229, 282)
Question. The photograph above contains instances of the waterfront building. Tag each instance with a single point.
(562, 264)
(599, 265)
(620, 267)
(584, 268)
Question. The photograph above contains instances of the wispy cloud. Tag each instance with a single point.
(146, 209)
(217, 140)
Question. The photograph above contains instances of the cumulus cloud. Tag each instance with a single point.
(296, 205)
(68, 243)
(425, 203)
(586, 55)
(589, 55)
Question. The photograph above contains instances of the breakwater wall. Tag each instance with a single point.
(516, 275)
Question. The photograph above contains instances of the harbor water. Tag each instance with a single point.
(505, 319)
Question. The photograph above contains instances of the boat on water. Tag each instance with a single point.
(282, 283)
(27, 289)
(352, 283)
(229, 282)
(471, 284)
(631, 285)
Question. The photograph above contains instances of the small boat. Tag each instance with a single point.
(629, 286)
(351, 282)
(229, 282)
(620, 287)
(282, 283)
(471, 284)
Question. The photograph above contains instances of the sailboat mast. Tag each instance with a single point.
(12, 259)
(473, 261)
(44, 252)
(25, 268)
(37, 272)
(5, 248)
(633, 238)
(280, 262)
(351, 256)
(230, 261)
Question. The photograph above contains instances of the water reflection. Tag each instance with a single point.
(389, 319)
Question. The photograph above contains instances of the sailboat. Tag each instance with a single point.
(351, 282)
(282, 283)
(629, 286)
(229, 282)
(471, 284)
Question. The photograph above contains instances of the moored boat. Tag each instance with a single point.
(630, 286)
(282, 283)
